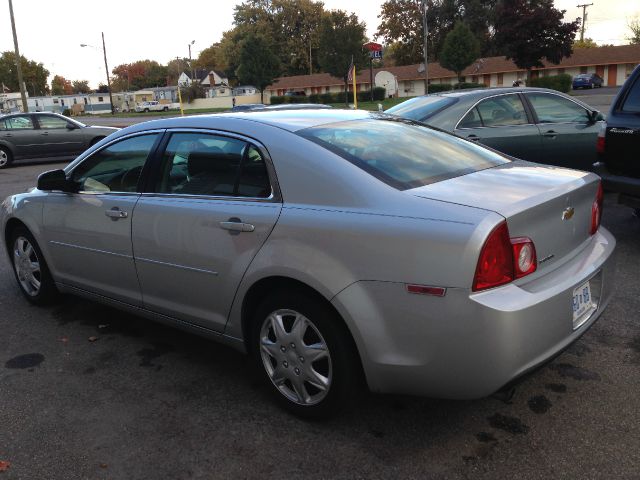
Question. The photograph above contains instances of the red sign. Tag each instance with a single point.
(373, 46)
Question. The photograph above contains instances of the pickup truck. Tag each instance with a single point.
(619, 143)
(155, 106)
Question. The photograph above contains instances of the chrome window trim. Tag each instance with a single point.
(493, 126)
(274, 197)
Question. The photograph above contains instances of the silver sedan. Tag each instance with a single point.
(330, 245)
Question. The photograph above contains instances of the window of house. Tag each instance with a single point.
(500, 78)
(56, 101)
(100, 99)
(327, 89)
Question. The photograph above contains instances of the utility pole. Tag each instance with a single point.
(424, 46)
(23, 93)
(104, 50)
(190, 62)
(584, 18)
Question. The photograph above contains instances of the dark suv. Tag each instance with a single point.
(619, 145)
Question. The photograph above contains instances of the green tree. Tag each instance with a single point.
(259, 66)
(34, 74)
(209, 58)
(586, 43)
(533, 30)
(460, 49)
(634, 26)
(80, 86)
(61, 86)
(140, 74)
(341, 37)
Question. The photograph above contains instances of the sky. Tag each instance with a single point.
(146, 29)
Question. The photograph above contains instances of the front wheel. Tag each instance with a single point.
(5, 157)
(146, 110)
(304, 354)
(30, 268)
(165, 109)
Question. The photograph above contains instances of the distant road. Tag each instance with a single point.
(598, 98)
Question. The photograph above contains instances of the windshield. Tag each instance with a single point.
(401, 153)
(421, 108)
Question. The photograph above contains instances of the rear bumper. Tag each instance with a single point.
(617, 183)
(468, 345)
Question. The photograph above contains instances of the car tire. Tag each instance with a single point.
(165, 109)
(30, 268)
(146, 110)
(5, 157)
(304, 354)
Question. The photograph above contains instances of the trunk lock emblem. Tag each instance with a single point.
(568, 213)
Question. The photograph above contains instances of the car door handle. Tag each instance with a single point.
(550, 134)
(473, 138)
(8, 135)
(44, 133)
(115, 213)
(237, 226)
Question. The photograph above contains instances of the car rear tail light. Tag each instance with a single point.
(596, 210)
(600, 144)
(503, 259)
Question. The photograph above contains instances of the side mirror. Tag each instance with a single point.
(55, 180)
(595, 116)
(71, 126)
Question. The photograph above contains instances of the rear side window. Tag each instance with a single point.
(212, 165)
(17, 123)
(632, 101)
(401, 153)
(421, 108)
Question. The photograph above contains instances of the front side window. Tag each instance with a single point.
(502, 111)
(212, 165)
(20, 122)
(115, 168)
(50, 122)
(556, 109)
(401, 153)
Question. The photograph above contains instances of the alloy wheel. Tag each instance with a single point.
(4, 158)
(296, 357)
(27, 265)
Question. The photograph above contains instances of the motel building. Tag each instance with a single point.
(614, 64)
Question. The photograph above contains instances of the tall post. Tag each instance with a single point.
(310, 64)
(106, 68)
(424, 45)
(371, 75)
(23, 93)
(584, 18)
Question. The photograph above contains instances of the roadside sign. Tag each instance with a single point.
(375, 54)
(375, 49)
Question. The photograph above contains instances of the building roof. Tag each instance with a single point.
(484, 66)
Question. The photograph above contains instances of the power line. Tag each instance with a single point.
(584, 18)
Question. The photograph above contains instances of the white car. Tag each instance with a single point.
(154, 106)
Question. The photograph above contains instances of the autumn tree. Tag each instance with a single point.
(461, 48)
(533, 30)
(140, 74)
(259, 66)
(61, 86)
(34, 74)
(80, 86)
(341, 36)
(210, 58)
(586, 43)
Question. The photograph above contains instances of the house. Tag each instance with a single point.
(614, 64)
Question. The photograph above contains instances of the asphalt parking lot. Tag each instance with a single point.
(88, 392)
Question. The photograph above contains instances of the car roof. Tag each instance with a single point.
(482, 92)
(291, 120)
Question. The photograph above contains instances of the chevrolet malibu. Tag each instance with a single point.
(332, 246)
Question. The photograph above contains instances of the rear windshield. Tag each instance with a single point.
(401, 153)
(421, 108)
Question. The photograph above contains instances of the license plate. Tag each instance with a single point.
(582, 301)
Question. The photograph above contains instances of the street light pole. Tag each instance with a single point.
(426, 32)
(23, 93)
(190, 62)
(106, 67)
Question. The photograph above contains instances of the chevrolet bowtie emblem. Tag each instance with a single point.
(568, 213)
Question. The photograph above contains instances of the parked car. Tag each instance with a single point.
(297, 93)
(532, 124)
(587, 80)
(327, 244)
(38, 135)
(619, 144)
(155, 106)
(248, 106)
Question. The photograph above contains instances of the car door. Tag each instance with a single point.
(210, 208)
(568, 134)
(502, 122)
(20, 132)
(89, 233)
(60, 136)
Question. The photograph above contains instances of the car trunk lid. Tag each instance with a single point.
(551, 206)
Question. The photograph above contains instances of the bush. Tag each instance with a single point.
(463, 85)
(66, 112)
(439, 87)
(561, 83)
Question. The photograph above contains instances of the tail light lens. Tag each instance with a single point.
(503, 259)
(600, 144)
(596, 210)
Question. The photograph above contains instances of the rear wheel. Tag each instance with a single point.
(165, 109)
(30, 268)
(146, 110)
(304, 354)
(5, 157)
